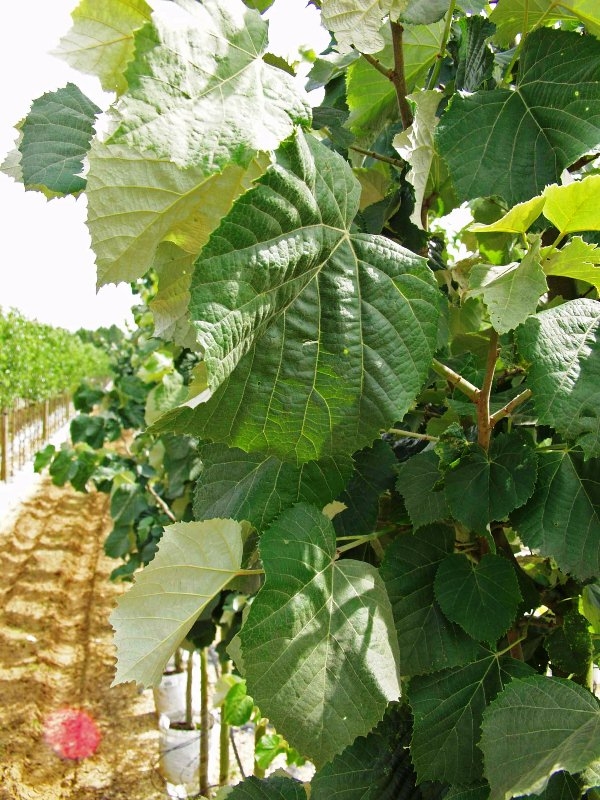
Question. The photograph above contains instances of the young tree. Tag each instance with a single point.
(398, 425)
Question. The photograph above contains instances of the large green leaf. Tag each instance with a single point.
(151, 198)
(427, 639)
(258, 488)
(335, 329)
(199, 92)
(448, 709)
(482, 598)
(514, 17)
(55, 138)
(371, 97)
(574, 206)
(319, 648)
(562, 519)
(578, 259)
(510, 292)
(373, 767)
(420, 484)
(101, 39)
(564, 351)
(276, 787)
(357, 23)
(527, 135)
(195, 560)
(538, 726)
(484, 487)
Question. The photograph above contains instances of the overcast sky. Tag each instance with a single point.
(46, 266)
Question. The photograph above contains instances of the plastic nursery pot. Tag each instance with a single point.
(170, 696)
(179, 755)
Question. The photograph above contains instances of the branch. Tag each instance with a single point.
(396, 162)
(471, 391)
(435, 74)
(411, 435)
(484, 425)
(161, 503)
(375, 62)
(506, 410)
(398, 78)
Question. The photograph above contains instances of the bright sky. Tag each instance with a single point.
(47, 268)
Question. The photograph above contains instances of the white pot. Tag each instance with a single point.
(169, 696)
(179, 757)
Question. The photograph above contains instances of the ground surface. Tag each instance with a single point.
(56, 651)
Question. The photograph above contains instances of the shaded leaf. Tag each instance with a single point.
(310, 639)
(332, 331)
(562, 518)
(578, 259)
(484, 487)
(420, 484)
(258, 488)
(539, 726)
(476, 60)
(428, 641)
(562, 346)
(101, 39)
(195, 560)
(448, 709)
(526, 136)
(275, 787)
(169, 306)
(482, 598)
(56, 136)
(570, 646)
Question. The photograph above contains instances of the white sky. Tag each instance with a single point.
(47, 268)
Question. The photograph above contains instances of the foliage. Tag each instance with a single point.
(30, 366)
(353, 384)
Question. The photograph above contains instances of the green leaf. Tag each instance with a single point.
(169, 306)
(474, 792)
(484, 487)
(272, 788)
(476, 60)
(375, 471)
(578, 259)
(527, 135)
(562, 347)
(482, 598)
(338, 328)
(238, 705)
(415, 146)
(258, 488)
(371, 96)
(199, 92)
(428, 641)
(419, 483)
(119, 541)
(373, 767)
(574, 206)
(166, 395)
(357, 23)
(319, 649)
(101, 39)
(570, 646)
(195, 560)
(513, 17)
(562, 518)
(517, 220)
(158, 199)
(56, 137)
(538, 726)
(423, 12)
(127, 502)
(512, 292)
(448, 709)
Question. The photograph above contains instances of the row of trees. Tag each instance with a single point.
(392, 431)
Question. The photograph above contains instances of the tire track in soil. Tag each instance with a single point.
(56, 650)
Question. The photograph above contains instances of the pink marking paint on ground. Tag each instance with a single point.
(72, 733)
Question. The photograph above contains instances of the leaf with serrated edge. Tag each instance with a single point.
(195, 560)
(574, 207)
(275, 787)
(538, 726)
(521, 16)
(518, 220)
(448, 708)
(258, 488)
(330, 332)
(357, 23)
(578, 259)
(482, 598)
(319, 648)
(527, 135)
(562, 518)
(484, 487)
(101, 39)
(199, 92)
(427, 639)
(512, 292)
(415, 145)
(153, 195)
(563, 349)
(169, 306)
(418, 480)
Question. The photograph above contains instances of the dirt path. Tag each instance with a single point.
(56, 651)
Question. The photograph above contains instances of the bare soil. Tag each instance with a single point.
(56, 651)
